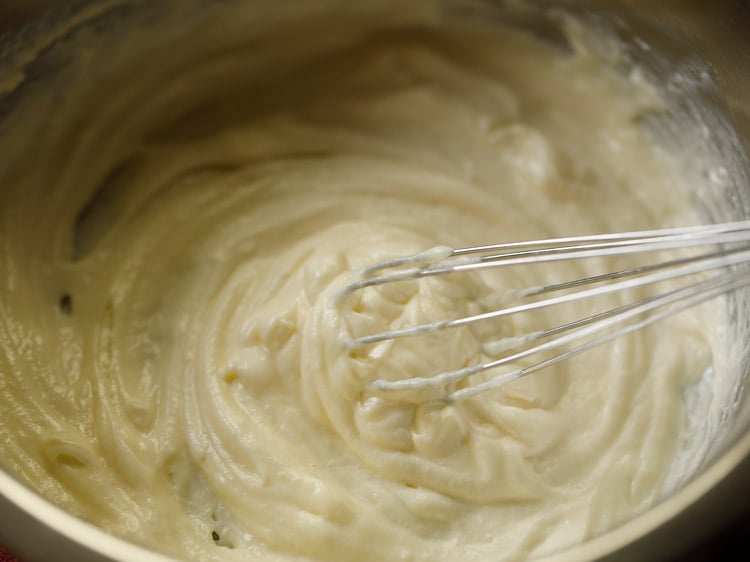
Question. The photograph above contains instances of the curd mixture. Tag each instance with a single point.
(175, 225)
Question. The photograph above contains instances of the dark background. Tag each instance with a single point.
(730, 544)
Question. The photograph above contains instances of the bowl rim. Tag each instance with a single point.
(731, 469)
(66, 527)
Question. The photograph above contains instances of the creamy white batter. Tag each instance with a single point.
(171, 362)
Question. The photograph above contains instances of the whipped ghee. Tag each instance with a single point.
(173, 235)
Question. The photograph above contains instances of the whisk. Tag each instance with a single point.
(719, 268)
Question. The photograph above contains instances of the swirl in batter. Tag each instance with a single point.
(173, 235)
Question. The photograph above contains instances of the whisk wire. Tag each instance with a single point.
(460, 261)
(681, 271)
(462, 394)
(695, 294)
(731, 254)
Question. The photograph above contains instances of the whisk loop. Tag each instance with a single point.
(728, 251)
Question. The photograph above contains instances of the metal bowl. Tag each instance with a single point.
(699, 51)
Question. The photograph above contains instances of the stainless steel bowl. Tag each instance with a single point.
(699, 51)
